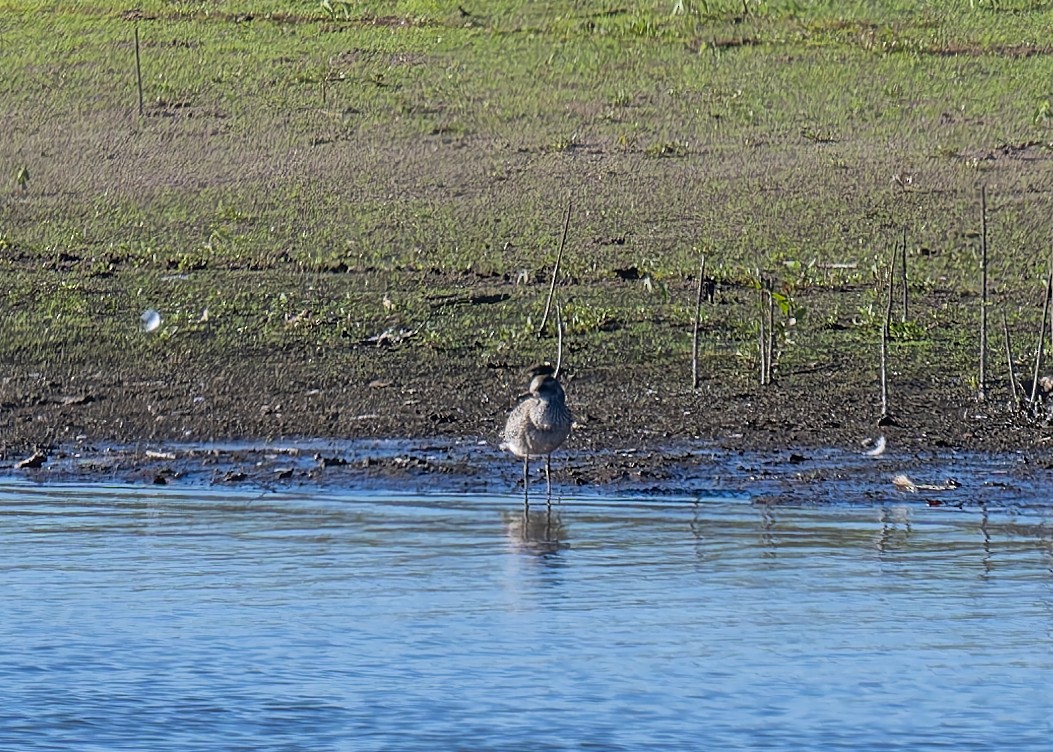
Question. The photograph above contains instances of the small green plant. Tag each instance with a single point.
(627, 142)
(642, 25)
(906, 331)
(818, 135)
(585, 318)
(335, 8)
(188, 262)
(67, 299)
(792, 311)
(560, 144)
(667, 149)
(868, 317)
(1044, 113)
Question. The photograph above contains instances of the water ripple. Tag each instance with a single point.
(195, 619)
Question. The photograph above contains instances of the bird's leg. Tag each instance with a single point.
(526, 482)
(548, 479)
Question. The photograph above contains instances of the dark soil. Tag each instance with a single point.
(392, 415)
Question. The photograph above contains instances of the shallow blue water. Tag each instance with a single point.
(195, 619)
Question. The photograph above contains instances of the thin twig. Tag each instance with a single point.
(761, 341)
(771, 334)
(559, 342)
(698, 316)
(138, 71)
(982, 393)
(885, 331)
(903, 273)
(1051, 316)
(555, 269)
(1009, 360)
(1040, 349)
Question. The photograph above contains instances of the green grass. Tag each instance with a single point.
(299, 162)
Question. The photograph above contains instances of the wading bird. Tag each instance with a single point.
(539, 423)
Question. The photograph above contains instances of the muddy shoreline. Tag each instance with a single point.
(803, 440)
(951, 479)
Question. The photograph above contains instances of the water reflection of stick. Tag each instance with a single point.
(1039, 351)
(698, 315)
(555, 269)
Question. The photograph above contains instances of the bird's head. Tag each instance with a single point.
(546, 387)
(542, 369)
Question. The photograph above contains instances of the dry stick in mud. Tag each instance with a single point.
(981, 394)
(771, 332)
(903, 273)
(1040, 349)
(138, 71)
(767, 331)
(760, 342)
(764, 336)
(1051, 311)
(885, 336)
(698, 315)
(1009, 360)
(555, 269)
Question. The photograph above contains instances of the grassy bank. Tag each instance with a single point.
(305, 177)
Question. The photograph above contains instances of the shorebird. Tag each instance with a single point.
(539, 423)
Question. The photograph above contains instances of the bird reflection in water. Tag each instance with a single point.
(541, 532)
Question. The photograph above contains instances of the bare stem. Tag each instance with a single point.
(771, 335)
(559, 342)
(903, 273)
(1009, 360)
(885, 327)
(698, 315)
(1051, 311)
(982, 393)
(138, 71)
(1040, 349)
(555, 269)
(761, 344)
